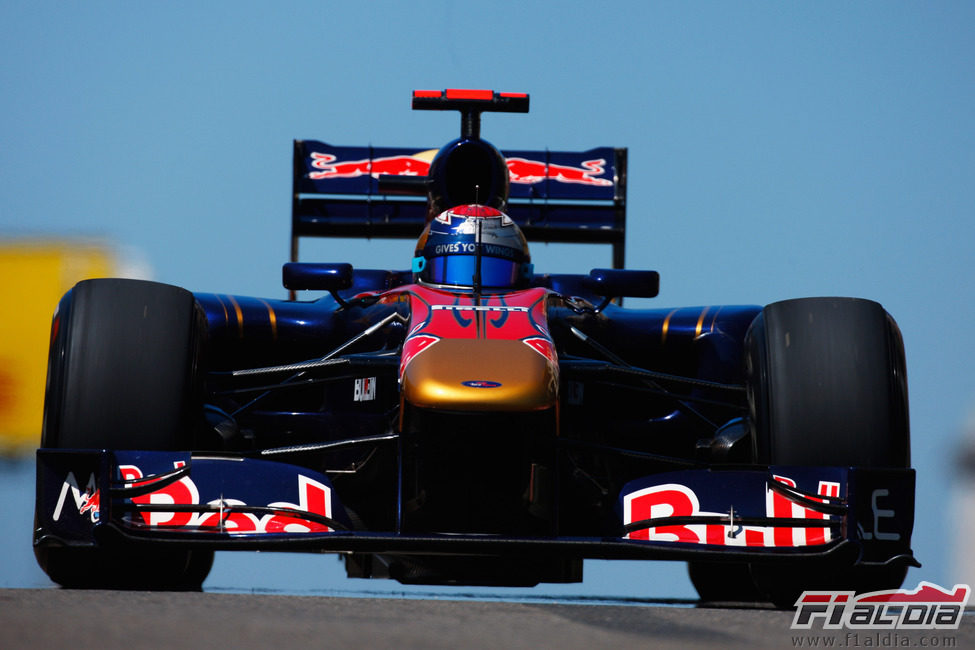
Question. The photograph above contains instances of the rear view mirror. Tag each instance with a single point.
(318, 276)
(617, 283)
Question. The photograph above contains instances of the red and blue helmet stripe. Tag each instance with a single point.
(472, 242)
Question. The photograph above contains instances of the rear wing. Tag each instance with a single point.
(555, 196)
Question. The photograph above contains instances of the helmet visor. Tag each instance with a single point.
(458, 270)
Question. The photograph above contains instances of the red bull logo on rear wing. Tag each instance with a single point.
(379, 192)
(530, 172)
(554, 196)
(329, 169)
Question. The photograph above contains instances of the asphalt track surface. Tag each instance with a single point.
(58, 618)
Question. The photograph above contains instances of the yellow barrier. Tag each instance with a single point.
(33, 277)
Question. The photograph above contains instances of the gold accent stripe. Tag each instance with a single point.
(273, 319)
(666, 327)
(700, 322)
(715, 319)
(240, 316)
(226, 316)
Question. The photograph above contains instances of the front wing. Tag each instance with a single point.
(101, 497)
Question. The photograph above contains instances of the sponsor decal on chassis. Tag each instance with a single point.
(481, 383)
(675, 500)
(87, 502)
(365, 390)
(219, 516)
(314, 498)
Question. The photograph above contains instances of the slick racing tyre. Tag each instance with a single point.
(826, 385)
(123, 374)
(724, 582)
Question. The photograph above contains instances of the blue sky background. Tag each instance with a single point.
(777, 150)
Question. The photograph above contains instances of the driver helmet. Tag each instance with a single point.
(448, 250)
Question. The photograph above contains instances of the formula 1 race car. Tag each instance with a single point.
(469, 420)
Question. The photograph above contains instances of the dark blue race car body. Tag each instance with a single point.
(499, 437)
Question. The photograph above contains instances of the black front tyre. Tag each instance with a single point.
(724, 582)
(124, 373)
(125, 567)
(826, 385)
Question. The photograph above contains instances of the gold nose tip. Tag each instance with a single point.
(481, 375)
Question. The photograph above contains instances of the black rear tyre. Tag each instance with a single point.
(827, 385)
(124, 373)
